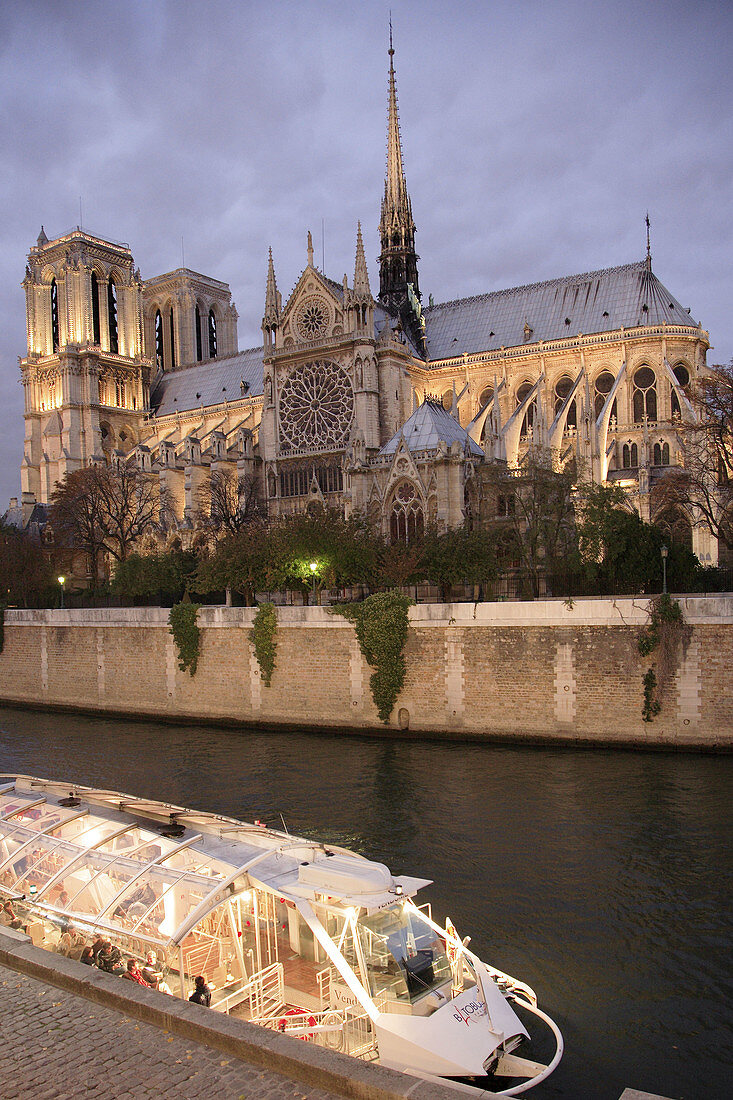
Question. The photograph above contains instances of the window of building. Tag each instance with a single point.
(630, 456)
(682, 375)
(522, 394)
(505, 505)
(603, 386)
(55, 343)
(661, 454)
(645, 394)
(407, 520)
(172, 334)
(212, 335)
(96, 330)
(159, 348)
(676, 527)
(199, 344)
(114, 344)
(563, 386)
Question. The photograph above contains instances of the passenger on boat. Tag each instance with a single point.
(87, 956)
(110, 959)
(97, 944)
(8, 917)
(151, 972)
(71, 942)
(134, 973)
(201, 994)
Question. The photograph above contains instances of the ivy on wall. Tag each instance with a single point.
(381, 623)
(262, 636)
(665, 630)
(187, 636)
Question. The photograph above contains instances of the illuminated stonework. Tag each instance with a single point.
(316, 407)
(312, 319)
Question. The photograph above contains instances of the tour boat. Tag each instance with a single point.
(302, 937)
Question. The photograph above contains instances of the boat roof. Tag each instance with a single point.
(119, 857)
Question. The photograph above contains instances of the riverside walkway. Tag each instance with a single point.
(68, 1030)
(56, 1044)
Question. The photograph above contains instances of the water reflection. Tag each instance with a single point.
(601, 878)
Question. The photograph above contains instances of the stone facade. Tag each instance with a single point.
(591, 368)
(540, 671)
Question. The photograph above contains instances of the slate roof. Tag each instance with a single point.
(597, 301)
(209, 383)
(429, 425)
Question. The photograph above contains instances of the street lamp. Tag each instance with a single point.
(313, 569)
(62, 582)
(664, 551)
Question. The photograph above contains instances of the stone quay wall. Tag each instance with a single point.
(547, 671)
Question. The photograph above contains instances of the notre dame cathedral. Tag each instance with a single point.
(382, 405)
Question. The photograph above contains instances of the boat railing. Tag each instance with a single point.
(265, 992)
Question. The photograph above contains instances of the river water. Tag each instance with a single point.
(602, 878)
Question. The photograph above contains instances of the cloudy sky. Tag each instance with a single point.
(536, 135)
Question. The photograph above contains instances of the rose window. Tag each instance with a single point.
(312, 318)
(316, 406)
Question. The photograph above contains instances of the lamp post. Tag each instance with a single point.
(313, 569)
(664, 551)
(62, 582)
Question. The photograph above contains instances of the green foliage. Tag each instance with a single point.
(143, 575)
(623, 553)
(651, 706)
(666, 623)
(458, 556)
(186, 633)
(381, 623)
(262, 636)
(664, 610)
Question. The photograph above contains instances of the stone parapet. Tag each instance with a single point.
(542, 671)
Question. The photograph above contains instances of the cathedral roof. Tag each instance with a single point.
(429, 425)
(597, 301)
(210, 383)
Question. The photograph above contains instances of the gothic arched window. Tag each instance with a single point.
(407, 519)
(522, 393)
(172, 334)
(603, 386)
(212, 335)
(645, 394)
(563, 386)
(114, 344)
(96, 330)
(159, 343)
(55, 342)
(199, 343)
(676, 527)
(682, 375)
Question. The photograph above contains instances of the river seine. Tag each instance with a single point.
(601, 878)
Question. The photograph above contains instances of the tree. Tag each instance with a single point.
(458, 556)
(344, 551)
(401, 563)
(242, 561)
(622, 553)
(536, 503)
(25, 571)
(227, 503)
(153, 574)
(704, 487)
(106, 509)
(76, 516)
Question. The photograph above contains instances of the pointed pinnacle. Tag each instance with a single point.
(361, 275)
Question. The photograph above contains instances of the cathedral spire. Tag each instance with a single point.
(361, 275)
(398, 259)
(271, 319)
